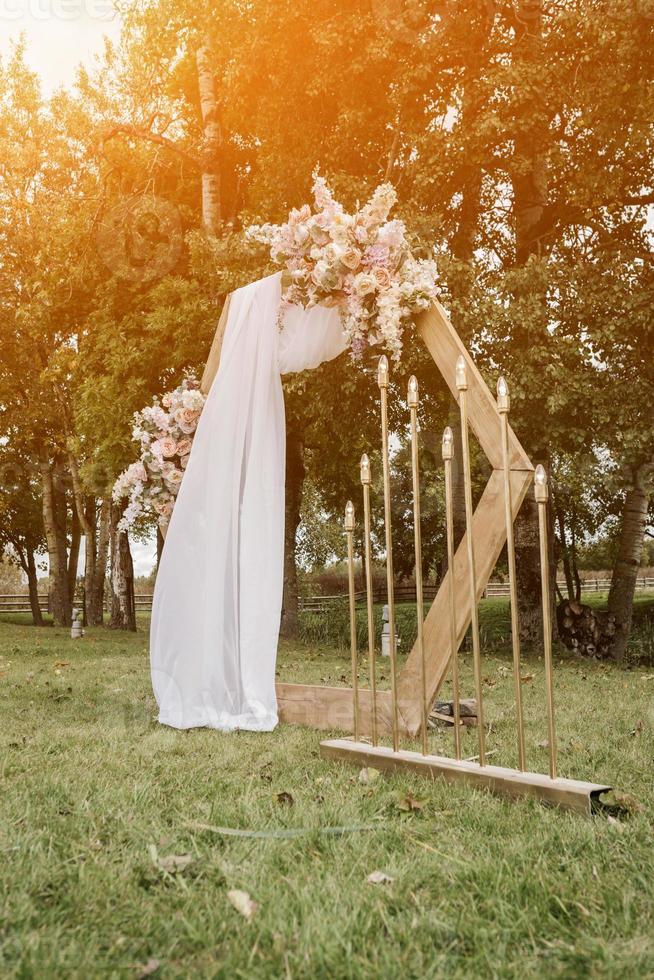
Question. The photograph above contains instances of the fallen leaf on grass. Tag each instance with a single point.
(285, 799)
(409, 804)
(147, 969)
(525, 678)
(369, 775)
(637, 729)
(379, 878)
(242, 902)
(171, 864)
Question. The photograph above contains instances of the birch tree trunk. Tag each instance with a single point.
(58, 589)
(95, 597)
(123, 610)
(212, 142)
(625, 570)
(73, 555)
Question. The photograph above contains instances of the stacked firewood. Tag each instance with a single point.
(442, 713)
(585, 630)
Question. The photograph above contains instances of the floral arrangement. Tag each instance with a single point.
(164, 432)
(360, 262)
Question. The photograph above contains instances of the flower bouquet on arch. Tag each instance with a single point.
(360, 262)
(164, 432)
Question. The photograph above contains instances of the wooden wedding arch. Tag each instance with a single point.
(329, 708)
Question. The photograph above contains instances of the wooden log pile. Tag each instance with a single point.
(585, 630)
(442, 713)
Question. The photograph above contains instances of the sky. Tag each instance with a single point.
(61, 35)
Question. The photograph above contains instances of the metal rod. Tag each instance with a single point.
(372, 659)
(349, 530)
(382, 381)
(542, 494)
(462, 386)
(412, 401)
(448, 454)
(503, 406)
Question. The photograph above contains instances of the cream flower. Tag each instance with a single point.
(381, 276)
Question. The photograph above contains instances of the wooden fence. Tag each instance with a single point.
(322, 603)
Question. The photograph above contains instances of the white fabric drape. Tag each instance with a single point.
(218, 595)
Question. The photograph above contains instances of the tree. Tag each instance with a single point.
(21, 522)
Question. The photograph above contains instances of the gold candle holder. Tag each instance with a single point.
(462, 386)
(382, 381)
(448, 456)
(372, 659)
(503, 407)
(412, 401)
(542, 495)
(349, 530)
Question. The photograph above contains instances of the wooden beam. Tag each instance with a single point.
(445, 346)
(213, 361)
(331, 708)
(570, 794)
(489, 533)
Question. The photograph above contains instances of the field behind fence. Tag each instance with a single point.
(19, 602)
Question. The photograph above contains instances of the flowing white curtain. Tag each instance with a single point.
(218, 596)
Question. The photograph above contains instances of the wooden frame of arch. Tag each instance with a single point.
(330, 708)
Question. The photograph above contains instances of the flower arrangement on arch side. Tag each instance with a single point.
(164, 431)
(361, 263)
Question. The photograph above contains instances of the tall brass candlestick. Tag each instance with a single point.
(412, 401)
(365, 482)
(448, 455)
(541, 493)
(462, 386)
(349, 530)
(382, 381)
(503, 406)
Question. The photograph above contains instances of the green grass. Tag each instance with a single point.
(481, 887)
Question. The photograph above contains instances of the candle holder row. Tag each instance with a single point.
(541, 495)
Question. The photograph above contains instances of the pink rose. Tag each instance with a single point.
(168, 446)
(184, 447)
(187, 419)
(351, 259)
(381, 276)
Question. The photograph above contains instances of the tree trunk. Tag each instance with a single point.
(295, 472)
(123, 609)
(33, 586)
(73, 554)
(530, 185)
(212, 142)
(95, 597)
(59, 594)
(160, 545)
(625, 570)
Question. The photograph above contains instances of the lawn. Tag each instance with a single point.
(96, 798)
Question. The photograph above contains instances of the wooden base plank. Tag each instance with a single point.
(330, 708)
(570, 794)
